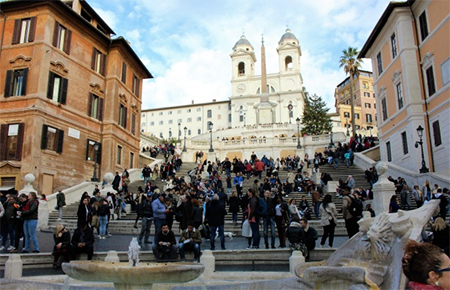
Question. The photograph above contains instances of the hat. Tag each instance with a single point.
(163, 195)
(149, 194)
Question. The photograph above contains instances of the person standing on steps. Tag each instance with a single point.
(238, 181)
(60, 203)
(29, 214)
(269, 220)
(146, 211)
(328, 220)
(215, 216)
(253, 217)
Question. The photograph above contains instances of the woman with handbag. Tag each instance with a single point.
(328, 220)
(62, 245)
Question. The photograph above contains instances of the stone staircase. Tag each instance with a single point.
(125, 224)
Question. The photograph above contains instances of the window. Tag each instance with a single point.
(288, 65)
(179, 121)
(170, 122)
(16, 82)
(62, 37)
(57, 88)
(365, 86)
(188, 110)
(85, 15)
(366, 94)
(52, 139)
(199, 119)
(143, 124)
(356, 116)
(393, 45)
(423, 27)
(152, 123)
(131, 160)
(11, 141)
(169, 113)
(161, 113)
(136, 84)
(388, 151)
(199, 131)
(189, 132)
(241, 69)
(199, 109)
(405, 143)
(367, 105)
(90, 151)
(445, 72)
(98, 62)
(189, 120)
(241, 118)
(379, 63)
(161, 122)
(437, 134)
(219, 117)
(209, 114)
(384, 109)
(119, 155)
(430, 81)
(368, 118)
(95, 107)
(179, 112)
(229, 118)
(24, 30)
(122, 116)
(133, 124)
(398, 88)
(124, 73)
(346, 115)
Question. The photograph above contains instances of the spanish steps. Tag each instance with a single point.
(125, 224)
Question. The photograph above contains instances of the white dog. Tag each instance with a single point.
(226, 234)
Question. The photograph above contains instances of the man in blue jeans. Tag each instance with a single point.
(269, 220)
(159, 213)
(215, 215)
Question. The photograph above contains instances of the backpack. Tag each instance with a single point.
(356, 207)
(261, 210)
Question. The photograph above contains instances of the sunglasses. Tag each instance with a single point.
(443, 270)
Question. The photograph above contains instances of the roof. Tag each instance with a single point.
(185, 106)
(242, 41)
(287, 35)
(97, 17)
(122, 41)
(380, 24)
(365, 71)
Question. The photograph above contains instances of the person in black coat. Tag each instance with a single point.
(84, 213)
(62, 245)
(215, 214)
(234, 203)
(116, 182)
(82, 241)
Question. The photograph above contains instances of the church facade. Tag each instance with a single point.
(255, 99)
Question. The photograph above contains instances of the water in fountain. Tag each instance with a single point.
(133, 252)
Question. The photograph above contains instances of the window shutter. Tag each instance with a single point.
(133, 124)
(137, 86)
(24, 85)
(16, 33)
(55, 34)
(59, 146)
(90, 105)
(3, 138)
(9, 75)
(63, 95)
(103, 65)
(100, 109)
(51, 76)
(94, 54)
(44, 137)
(68, 41)
(20, 141)
(125, 117)
(99, 154)
(32, 29)
(124, 73)
(87, 149)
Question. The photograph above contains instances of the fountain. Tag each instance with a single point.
(133, 275)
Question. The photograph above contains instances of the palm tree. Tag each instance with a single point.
(351, 64)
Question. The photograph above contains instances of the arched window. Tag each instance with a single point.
(288, 63)
(209, 114)
(241, 69)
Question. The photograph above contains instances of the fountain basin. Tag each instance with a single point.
(126, 277)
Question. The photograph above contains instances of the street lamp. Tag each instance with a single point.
(419, 129)
(290, 111)
(179, 133)
(184, 147)
(299, 146)
(346, 125)
(210, 127)
(331, 132)
(96, 147)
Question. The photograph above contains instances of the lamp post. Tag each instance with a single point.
(424, 168)
(290, 111)
(346, 125)
(331, 132)
(299, 146)
(170, 135)
(184, 147)
(96, 147)
(179, 133)
(210, 127)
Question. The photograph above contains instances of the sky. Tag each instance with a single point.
(186, 44)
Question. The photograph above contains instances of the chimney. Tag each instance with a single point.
(192, 102)
(214, 100)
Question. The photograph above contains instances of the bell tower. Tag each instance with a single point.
(289, 53)
(242, 65)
